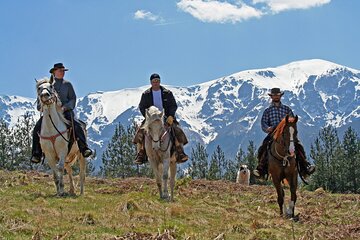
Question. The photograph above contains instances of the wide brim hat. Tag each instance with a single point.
(275, 92)
(58, 66)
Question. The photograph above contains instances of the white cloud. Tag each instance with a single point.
(146, 15)
(277, 6)
(216, 11)
(222, 11)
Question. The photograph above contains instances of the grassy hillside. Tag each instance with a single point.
(131, 209)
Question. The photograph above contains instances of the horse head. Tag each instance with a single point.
(154, 126)
(46, 92)
(290, 134)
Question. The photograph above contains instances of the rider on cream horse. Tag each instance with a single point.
(55, 137)
(66, 93)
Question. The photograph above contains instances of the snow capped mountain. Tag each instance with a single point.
(227, 111)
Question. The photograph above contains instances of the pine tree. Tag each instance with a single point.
(22, 141)
(198, 162)
(5, 145)
(251, 160)
(351, 162)
(217, 164)
(118, 157)
(325, 151)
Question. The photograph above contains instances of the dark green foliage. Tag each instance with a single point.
(118, 157)
(198, 162)
(337, 163)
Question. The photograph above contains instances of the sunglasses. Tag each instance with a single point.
(155, 81)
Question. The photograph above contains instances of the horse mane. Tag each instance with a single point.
(279, 129)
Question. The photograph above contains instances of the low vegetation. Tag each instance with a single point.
(131, 209)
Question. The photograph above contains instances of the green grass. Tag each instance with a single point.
(131, 209)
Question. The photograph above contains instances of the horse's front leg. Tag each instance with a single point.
(280, 193)
(156, 169)
(290, 212)
(57, 176)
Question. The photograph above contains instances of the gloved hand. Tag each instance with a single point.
(170, 120)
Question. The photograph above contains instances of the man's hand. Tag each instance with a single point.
(170, 120)
(270, 129)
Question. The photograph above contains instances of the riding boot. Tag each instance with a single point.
(36, 147)
(141, 155)
(306, 169)
(181, 157)
(79, 134)
(261, 169)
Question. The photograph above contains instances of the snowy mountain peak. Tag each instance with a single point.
(227, 110)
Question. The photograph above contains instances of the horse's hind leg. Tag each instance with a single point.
(165, 178)
(82, 163)
(172, 178)
(70, 173)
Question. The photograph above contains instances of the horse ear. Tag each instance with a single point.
(287, 118)
(296, 118)
(147, 115)
(162, 114)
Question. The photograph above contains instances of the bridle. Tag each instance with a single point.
(161, 139)
(54, 98)
(285, 159)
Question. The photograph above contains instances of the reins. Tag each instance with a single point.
(161, 139)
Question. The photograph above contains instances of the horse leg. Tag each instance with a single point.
(70, 173)
(165, 178)
(172, 178)
(56, 175)
(280, 193)
(293, 186)
(82, 163)
(156, 169)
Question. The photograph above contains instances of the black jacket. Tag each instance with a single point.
(168, 101)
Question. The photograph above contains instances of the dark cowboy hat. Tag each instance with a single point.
(57, 66)
(275, 91)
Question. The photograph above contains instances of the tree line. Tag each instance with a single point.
(337, 160)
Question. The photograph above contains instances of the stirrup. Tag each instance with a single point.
(310, 169)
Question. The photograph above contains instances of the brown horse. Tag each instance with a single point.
(282, 162)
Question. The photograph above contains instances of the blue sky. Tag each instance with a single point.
(115, 44)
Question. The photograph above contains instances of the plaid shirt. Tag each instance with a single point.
(273, 115)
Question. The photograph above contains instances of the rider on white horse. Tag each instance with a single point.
(67, 96)
(163, 99)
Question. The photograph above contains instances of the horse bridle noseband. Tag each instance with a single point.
(161, 139)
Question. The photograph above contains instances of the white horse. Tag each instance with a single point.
(158, 145)
(54, 137)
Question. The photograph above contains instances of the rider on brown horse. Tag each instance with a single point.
(163, 99)
(272, 116)
(67, 96)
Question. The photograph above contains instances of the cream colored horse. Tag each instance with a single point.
(158, 145)
(54, 138)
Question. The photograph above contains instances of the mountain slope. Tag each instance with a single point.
(227, 111)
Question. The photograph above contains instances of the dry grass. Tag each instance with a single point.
(131, 209)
